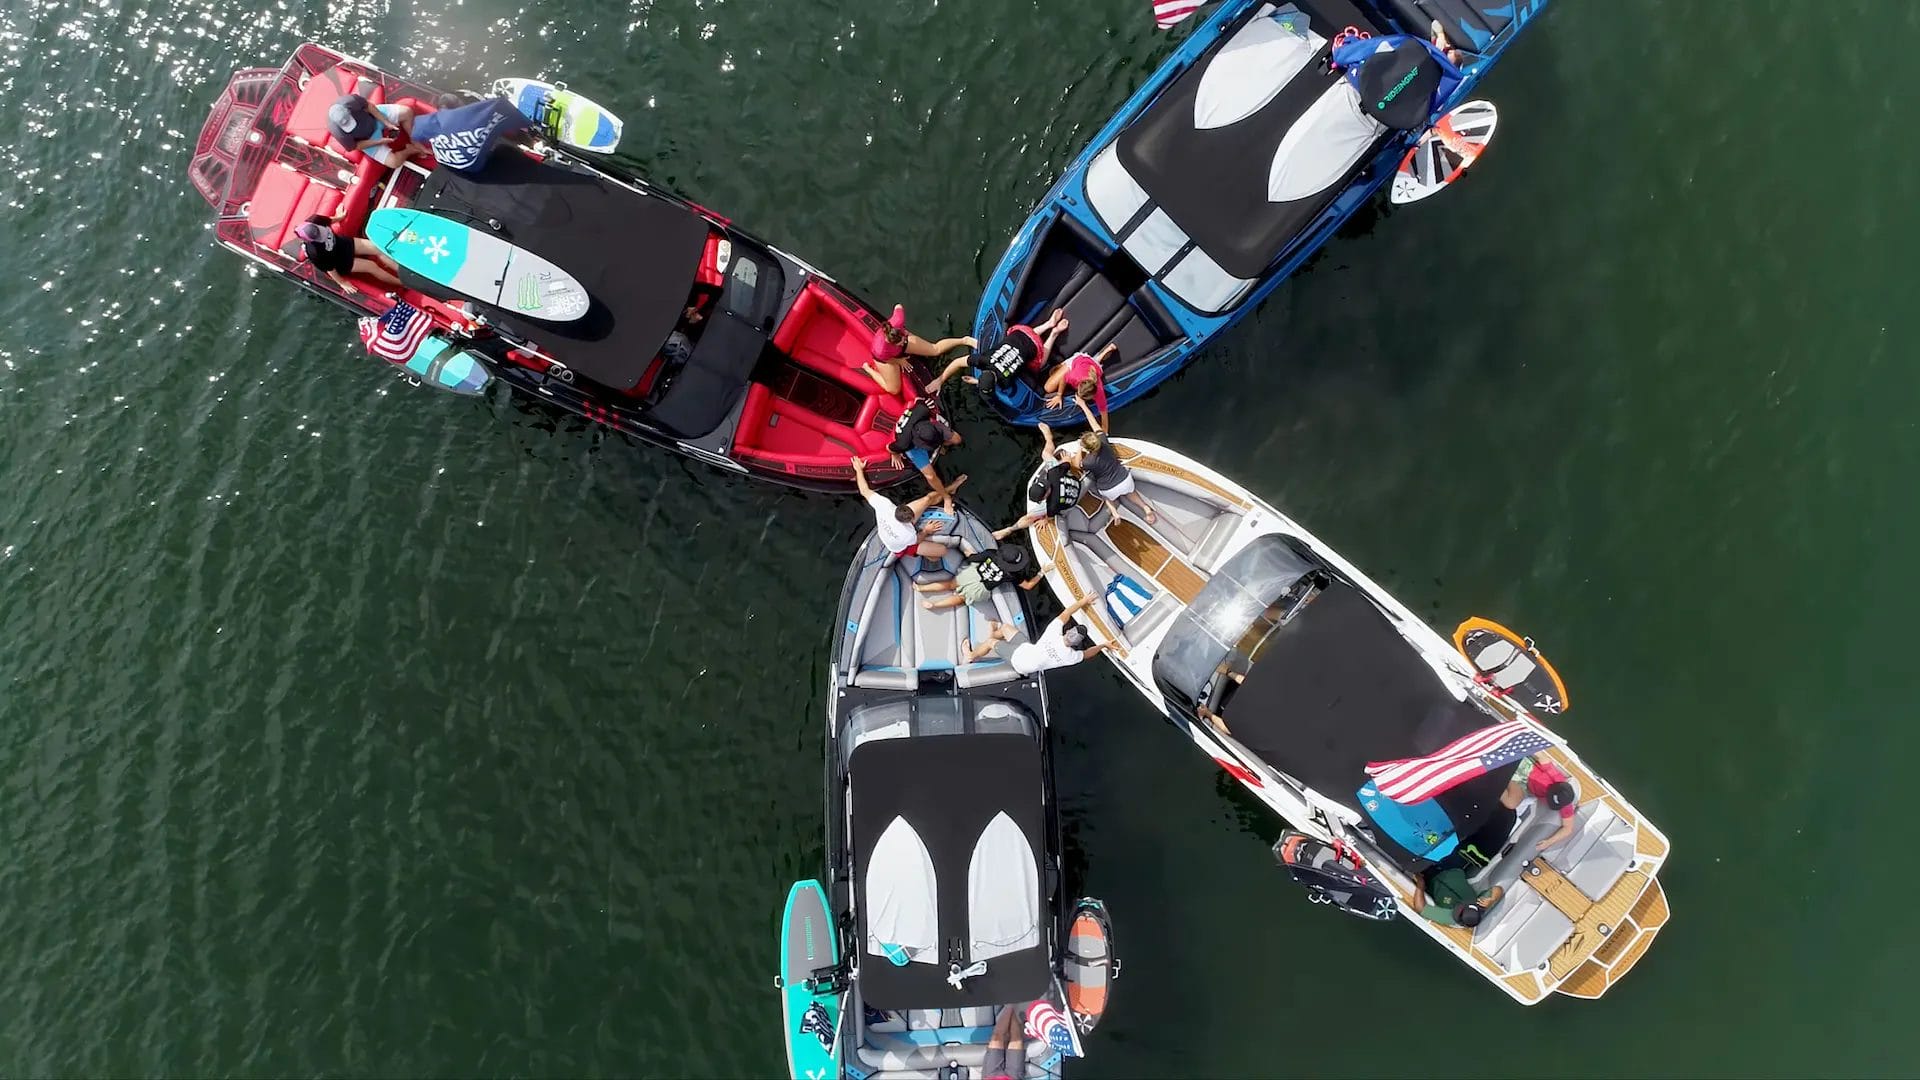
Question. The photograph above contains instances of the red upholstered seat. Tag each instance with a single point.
(283, 199)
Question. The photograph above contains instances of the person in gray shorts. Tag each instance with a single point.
(979, 574)
(1006, 1047)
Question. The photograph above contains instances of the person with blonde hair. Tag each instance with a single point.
(893, 344)
(1088, 377)
(1093, 456)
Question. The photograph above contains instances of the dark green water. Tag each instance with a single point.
(350, 729)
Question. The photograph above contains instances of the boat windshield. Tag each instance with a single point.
(1228, 623)
(908, 717)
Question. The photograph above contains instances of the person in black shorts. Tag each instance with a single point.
(342, 255)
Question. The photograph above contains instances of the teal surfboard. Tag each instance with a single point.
(810, 947)
(442, 366)
(567, 117)
(477, 264)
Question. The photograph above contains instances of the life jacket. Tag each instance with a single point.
(903, 427)
(992, 574)
(1007, 361)
(1064, 488)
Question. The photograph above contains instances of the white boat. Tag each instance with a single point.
(1293, 670)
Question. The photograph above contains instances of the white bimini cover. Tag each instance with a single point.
(902, 910)
(1003, 891)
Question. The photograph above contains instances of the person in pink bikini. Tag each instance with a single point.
(1088, 377)
(893, 344)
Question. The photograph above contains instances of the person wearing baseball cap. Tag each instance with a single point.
(382, 132)
(1542, 779)
(893, 343)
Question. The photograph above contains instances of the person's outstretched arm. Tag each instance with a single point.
(860, 477)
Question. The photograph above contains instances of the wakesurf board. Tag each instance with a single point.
(1445, 151)
(477, 264)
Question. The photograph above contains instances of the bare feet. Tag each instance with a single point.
(957, 481)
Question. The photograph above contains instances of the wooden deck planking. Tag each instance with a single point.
(1151, 556)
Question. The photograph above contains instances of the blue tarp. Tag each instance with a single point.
(462, 137)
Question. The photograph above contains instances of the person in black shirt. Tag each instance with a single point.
(1021, 349)
(342, 255)
(980, 573)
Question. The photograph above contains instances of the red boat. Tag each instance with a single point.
(771, 385)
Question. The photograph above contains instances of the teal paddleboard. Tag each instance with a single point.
(567, 117)
(477, 264)
(809, 945)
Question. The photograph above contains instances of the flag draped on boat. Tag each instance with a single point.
(397, 335)
(1477, 753)
(1167, 13)
(1046, 1023)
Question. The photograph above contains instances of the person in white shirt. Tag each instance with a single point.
(895, 522)
(1064, 643)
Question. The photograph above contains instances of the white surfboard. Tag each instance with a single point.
(571, 119)
(1445, 151)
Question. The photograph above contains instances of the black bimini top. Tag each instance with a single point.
(1337, 687)
(945, 795)
(636, 254)
(1213, 182)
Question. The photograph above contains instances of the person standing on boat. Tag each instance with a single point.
(1006, 1047)
(1542, 779)
(382, 132)
(342, 255)
(1021, 349)
(1088, 377)
(893, 344)
(1064, 643)
(895, 522)
(1094, 456)
(1456, 901)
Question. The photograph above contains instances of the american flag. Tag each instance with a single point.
(1048, 1024)
(1411, 780)
(397, 335)
(1166, 13)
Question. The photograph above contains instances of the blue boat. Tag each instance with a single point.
(1236, 161)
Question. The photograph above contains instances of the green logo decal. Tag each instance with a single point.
(529, 295)
(1397, 87)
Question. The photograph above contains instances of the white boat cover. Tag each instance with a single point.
(1328, 139)
(1249, 70)
(1003, 891)
(902, 909)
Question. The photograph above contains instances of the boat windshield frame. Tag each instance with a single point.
(1229, 621)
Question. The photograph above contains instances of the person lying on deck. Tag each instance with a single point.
(342, 255)
(919, 436)
(1546, 781)
(1088, 377)
(1456, 902)
(1064, 643)
(1092, 454)
(979, 574)
(1020, 349)
(382, 132)
(895, 523)
(893, 343)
